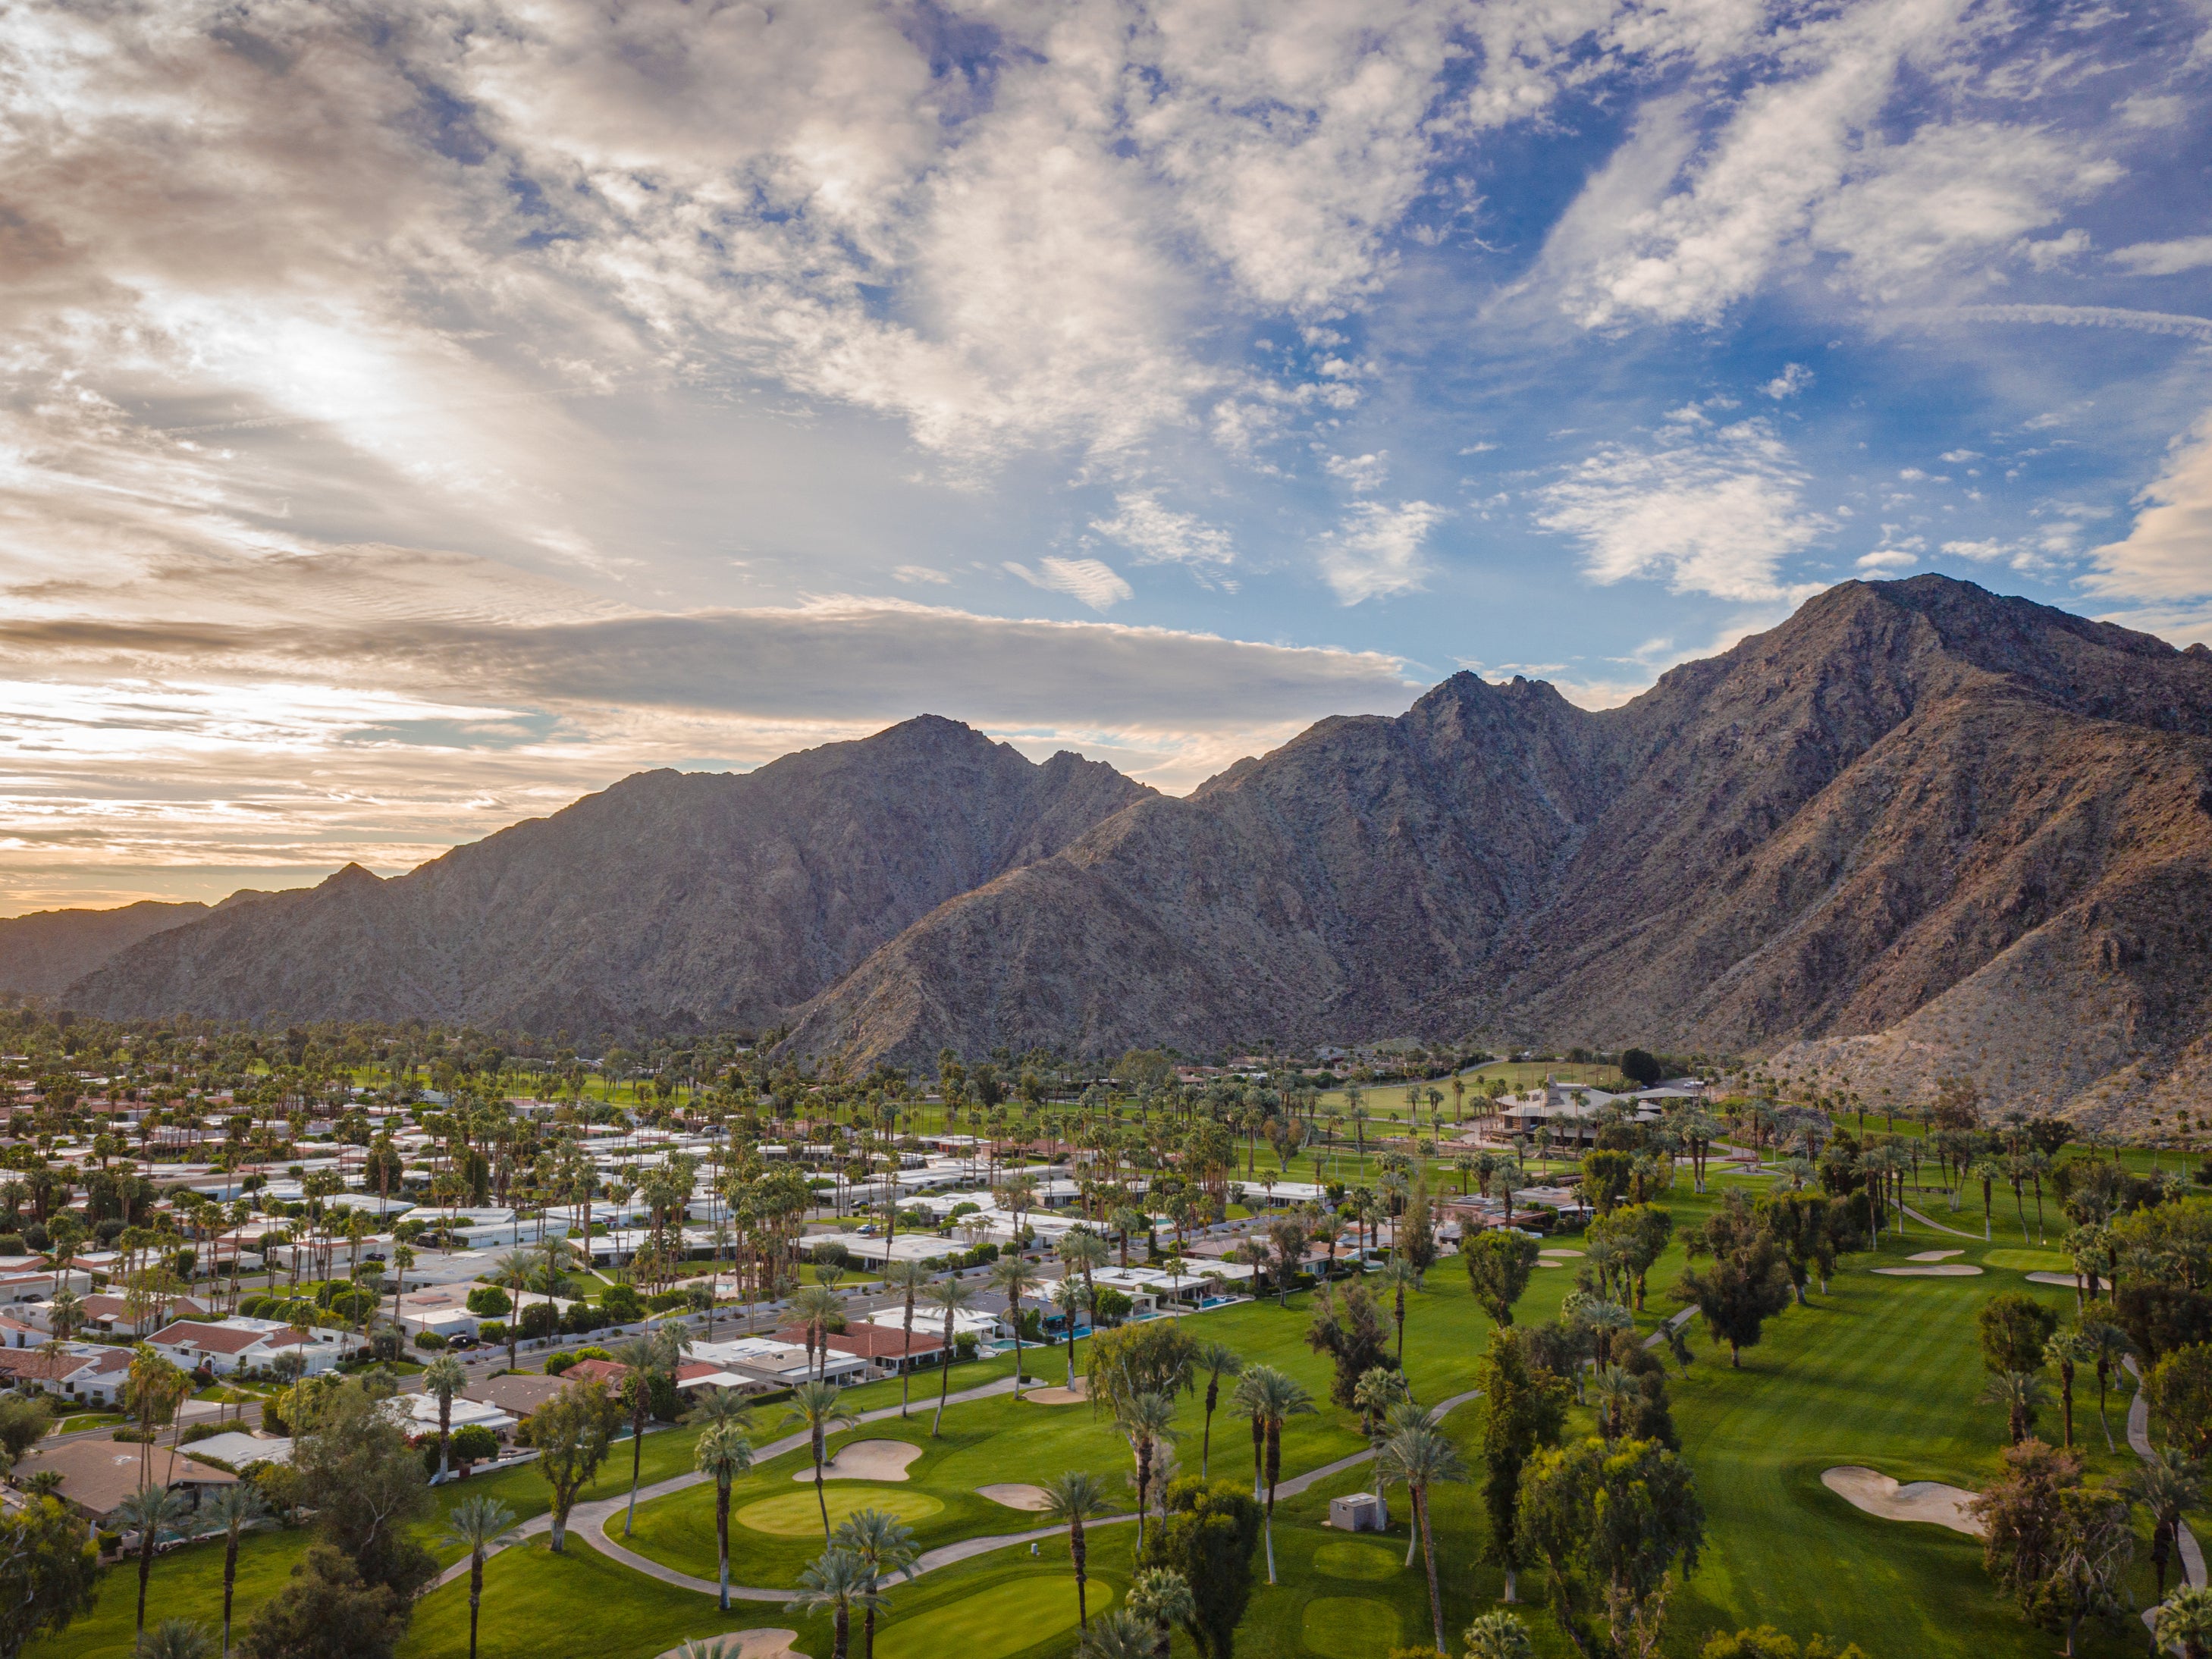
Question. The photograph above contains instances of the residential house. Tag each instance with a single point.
(227, 1345)
(886, 1348)
(98, 1474)
(84, 1373)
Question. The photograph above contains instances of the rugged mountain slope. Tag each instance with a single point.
(670, 898)
(1975, 823)
(41, 953)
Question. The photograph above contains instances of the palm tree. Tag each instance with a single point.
(882, 1544)
(155, 1385)
(513, 1274)
(836, 1583)
(1498, 1636)
(173, 1639)
(1217, 1359)
(1270, 1398)
(820, 1311)
(2019, 1393)
(1120, 1634)
(1616, 1391)
(2186, 1623)
(2166, 1486)
(1016, 1277)
(1084, 1251)
(1126, 1220)
(814, 1407)
(909, 1278)
(1400, 1276)
(1147, 1419)
(2065, 1351)
(956, 1296)
(2111, 1345)
(1074, 1498)
(444, 1377)
(1071, 1297)
(150, 1511)
(230, 1510)
(1422, 1458)
(1161, 1597)
(478, 1525)
(724, 1453)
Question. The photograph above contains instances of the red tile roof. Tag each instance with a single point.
(869, 1341)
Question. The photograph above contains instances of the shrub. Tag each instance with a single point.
(493, 1331)
(558, 1364)
(475, 1444)
(538, 1320)
(429, 1340)
(489, 1301)
(620, 1304)
(667, 1300)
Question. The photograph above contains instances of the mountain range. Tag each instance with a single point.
(1916, 829)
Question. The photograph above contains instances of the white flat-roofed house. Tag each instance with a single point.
(418, 1413)
(765, 1363)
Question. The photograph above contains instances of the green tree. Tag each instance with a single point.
(326, 1610)
(907, 1280)
(1398, 1275)
(1748, 1282)
(2185, 1622)
(1525, 1408)
(479, 1526)
(50, 1571)
(2013, 1327)
(1616, 1519)
(1498, 1263)
(1346, 1327)
(2064, 1351)
(2180, 1390)
(1014, 1278)
(23, 1423)
(367, 1488)
(1207, 1535)
(1145, 1420)
(2020, 1393)
(2022, 1518)
(1071, 1499)
(572, 1433)
(2167, 1487)
(723, 1454)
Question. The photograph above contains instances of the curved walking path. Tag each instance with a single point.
(2186, 1544)
(589, 1521)
(1930, 1221)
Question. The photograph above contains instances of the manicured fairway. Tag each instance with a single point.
(1011, 1617)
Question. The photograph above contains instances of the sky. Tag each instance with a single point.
(412, 418)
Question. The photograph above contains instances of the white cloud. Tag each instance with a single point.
(1715, 513)
(1377, 550)
(2145, 322)
(1793, 380)
(1679, 225)
(1093, 582)
(1887, 559)
(1363, 473)
(2164, 259)
(2168, 554)
(919, 572)
(1160, 535)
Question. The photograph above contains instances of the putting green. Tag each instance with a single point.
(1350, 1627)
(2029, 1262)
(1349, 1560)
(794, 1514)
(1007, 1620)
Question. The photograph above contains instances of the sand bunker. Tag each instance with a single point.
(2066, 1279)
(1916, 1500)
(1074, 1396)
(1934, 1256)
(1542, 1253)
(1015, 1495)
(866, 1460)
(747, 1645)
(1941, 1270)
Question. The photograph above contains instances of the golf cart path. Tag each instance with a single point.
(1930, 1221)
(589, 1521)
(2192, 1553)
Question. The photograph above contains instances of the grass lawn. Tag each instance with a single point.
(1881, 1372)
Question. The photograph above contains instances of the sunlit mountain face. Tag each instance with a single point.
(417, 416)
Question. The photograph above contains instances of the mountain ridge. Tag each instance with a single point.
(1916, 825)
